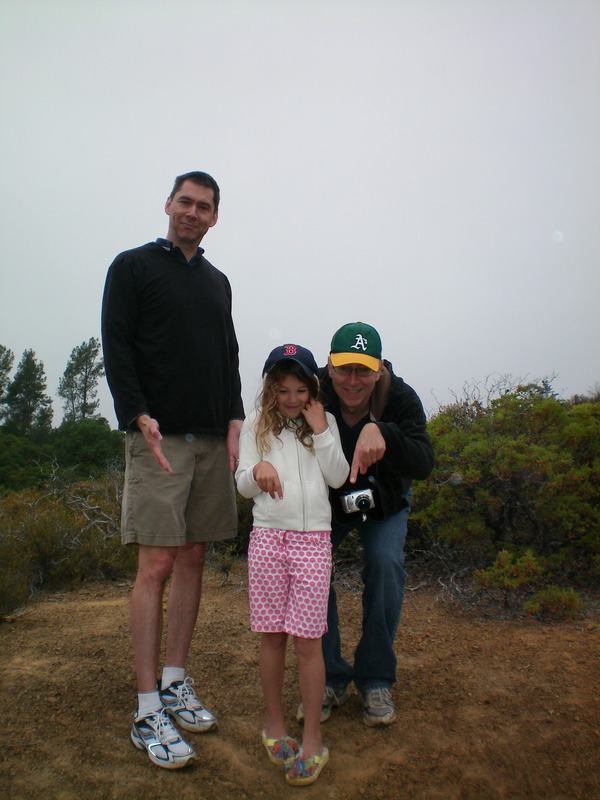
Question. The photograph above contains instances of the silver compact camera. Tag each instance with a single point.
(359, 500)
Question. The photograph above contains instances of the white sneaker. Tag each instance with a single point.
(156, 734)
(181, 702)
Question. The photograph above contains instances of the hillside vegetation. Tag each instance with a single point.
(509, 515)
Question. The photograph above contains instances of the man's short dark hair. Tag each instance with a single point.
(201, 178)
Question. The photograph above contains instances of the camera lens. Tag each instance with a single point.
(362, 502)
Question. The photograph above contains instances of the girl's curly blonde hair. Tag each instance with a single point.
(269, 420)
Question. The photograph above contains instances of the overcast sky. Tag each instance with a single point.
(431, 167)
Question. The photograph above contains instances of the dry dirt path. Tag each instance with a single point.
(487, 710)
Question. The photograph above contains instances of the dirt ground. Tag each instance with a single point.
(488, 709)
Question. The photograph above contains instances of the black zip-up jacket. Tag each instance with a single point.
(398, 412)
(169, 344)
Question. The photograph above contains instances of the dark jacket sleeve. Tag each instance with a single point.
(409, 453)
(119, 319)
(403, 425)
(236, 410)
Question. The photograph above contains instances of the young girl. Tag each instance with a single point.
(290, 453)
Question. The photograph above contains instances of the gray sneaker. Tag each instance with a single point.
(379, 707)
(331, 699)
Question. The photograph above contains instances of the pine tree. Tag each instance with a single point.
(6, 361)
(27, 408)
(77, 387)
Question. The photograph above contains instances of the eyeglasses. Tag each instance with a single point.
(361, 372)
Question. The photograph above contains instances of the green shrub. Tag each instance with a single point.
(87, 446)
(518, 473)
(555, 602)
(509, 575)
(58, 536)
(15, 582)
(23, 462)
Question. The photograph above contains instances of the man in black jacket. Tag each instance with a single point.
(171, 359)
(383, 431)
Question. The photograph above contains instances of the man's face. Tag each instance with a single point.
(353, 387)
(191, 213)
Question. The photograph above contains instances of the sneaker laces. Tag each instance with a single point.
(380, 698)
(186, 696)
(331, 694)
(163, 727)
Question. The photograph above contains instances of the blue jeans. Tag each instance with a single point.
(384, 578)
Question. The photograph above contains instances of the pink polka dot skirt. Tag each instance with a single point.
(288, 581)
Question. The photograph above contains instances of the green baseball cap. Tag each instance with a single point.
(356, 343)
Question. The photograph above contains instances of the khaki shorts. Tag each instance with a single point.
(195, 504)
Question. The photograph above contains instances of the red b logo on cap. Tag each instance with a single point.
(289, 349)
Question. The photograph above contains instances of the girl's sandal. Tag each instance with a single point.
(281, 751)
(306, 770)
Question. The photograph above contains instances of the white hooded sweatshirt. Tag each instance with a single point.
(304, 475)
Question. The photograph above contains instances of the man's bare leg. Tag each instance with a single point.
(184, 601)
(154, 567)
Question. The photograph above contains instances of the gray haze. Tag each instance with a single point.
(431, 167)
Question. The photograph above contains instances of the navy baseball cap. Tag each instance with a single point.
(292, 352)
